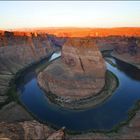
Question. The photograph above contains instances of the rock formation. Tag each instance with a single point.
(28, 130)
(17, 52)
(77, 75)
(125, 48)
(9, 113)
(128, 50)
(80, 73)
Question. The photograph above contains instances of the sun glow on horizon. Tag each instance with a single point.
(15, 14)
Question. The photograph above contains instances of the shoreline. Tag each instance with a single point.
(124, 60)
(88, 102)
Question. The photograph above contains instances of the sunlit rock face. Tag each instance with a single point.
(83, 57)
(79, 73)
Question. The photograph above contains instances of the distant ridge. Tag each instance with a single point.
(84, 32)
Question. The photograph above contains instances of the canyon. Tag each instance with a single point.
(81, 62)
(16, 53)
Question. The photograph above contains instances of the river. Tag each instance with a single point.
(103, 117)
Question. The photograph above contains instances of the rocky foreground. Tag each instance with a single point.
(80, 73)
(34, 130)
(29, 130)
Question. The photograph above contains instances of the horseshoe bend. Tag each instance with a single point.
(70, 70)
(79, 74)
(81, 83)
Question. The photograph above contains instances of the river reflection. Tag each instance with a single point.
(103, 117)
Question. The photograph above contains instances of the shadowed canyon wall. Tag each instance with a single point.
(126, 49)
(17, 52)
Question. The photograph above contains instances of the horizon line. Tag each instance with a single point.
(61, 27)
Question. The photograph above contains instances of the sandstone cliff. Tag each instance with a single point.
(16, 53)
(80, 73)
(128, 50)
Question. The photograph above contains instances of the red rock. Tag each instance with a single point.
(80, 73)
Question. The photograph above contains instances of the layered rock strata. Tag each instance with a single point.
(124, 48)
(78, 74)
(128, 50)
(16, 53)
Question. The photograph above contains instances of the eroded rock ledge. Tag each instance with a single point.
(78, 74)
(29, 130)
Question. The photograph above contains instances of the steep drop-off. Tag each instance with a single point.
(16, 53)
(128, 50)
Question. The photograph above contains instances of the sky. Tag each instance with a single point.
(30, 14)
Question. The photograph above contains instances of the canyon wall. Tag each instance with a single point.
(128, 50)
(17, 51)
(124, 48)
